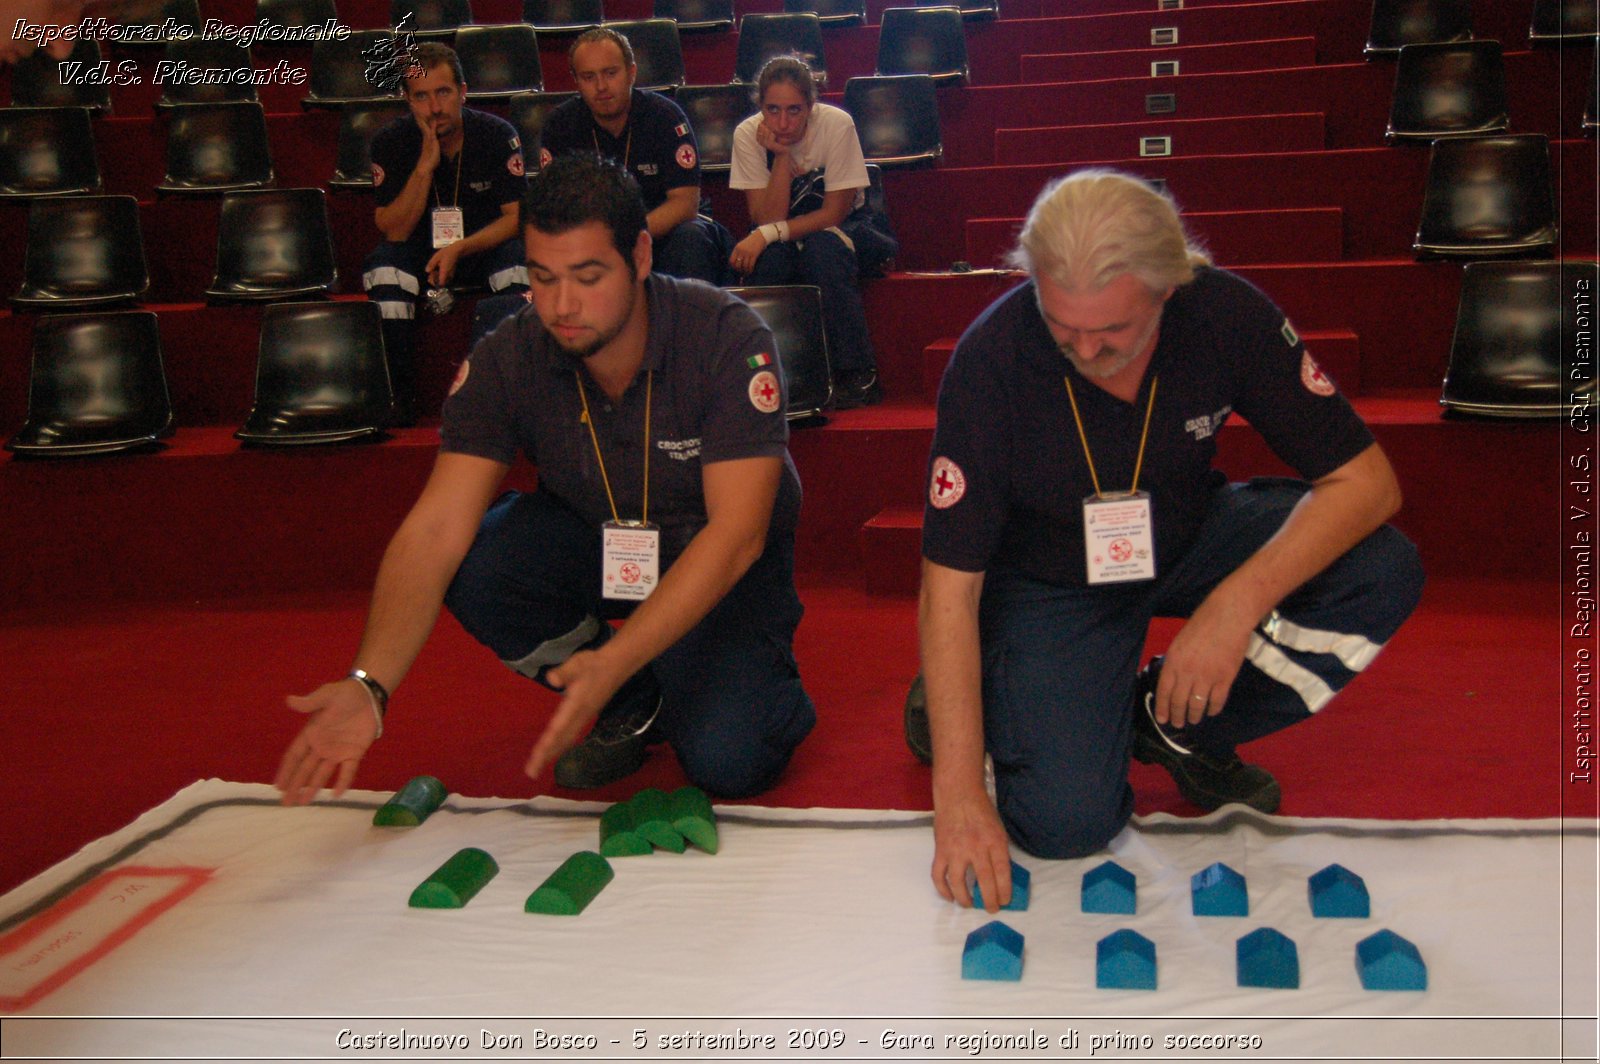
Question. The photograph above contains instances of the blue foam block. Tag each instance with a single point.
(1110, 888)
(1338, 892)
(1386, 961)
(993, 951)
(1020, 878)
(1218, 891)
(1125, 960)
(1268, 958)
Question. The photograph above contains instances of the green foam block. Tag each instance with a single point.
(455, 881)
(570, 888)
(652, 820)
(617, 837)
(411, 804)
(692, 815)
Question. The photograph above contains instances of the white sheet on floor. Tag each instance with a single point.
(233, 908)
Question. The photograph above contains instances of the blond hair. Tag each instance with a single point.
(1091, 226)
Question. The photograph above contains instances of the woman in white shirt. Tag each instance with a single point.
(799, 163)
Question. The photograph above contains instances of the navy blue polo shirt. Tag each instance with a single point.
(716, 395)
(490, 172)
(657, 146)
(1007, 473)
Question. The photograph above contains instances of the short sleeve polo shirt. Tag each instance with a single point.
(657, 146)
(490, 173)
(715, 394)
(1007, 473)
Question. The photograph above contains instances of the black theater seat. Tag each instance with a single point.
(1448, 90)
(341, 71)
(321, 376)
(273, 245)
(1396, 23)
(1511, 323)
(1563, 22)
(430, 20)
(83, 251)
(715, 111)
(831, 12)
(40, 81)
(923, 40)
(216, 147)
(897, 118)
(358, 124)
(794, 314)
(96, 386)
(47, 151)
(499, 61)
(657, 50)
(182, 83)
(763, 36)
(695, 15)
(563, 16)
(1488, 196)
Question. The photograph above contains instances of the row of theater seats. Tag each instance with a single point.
(97, 383)
(223, 146)
(499, 62)
(1484, 196)
(1393, 23)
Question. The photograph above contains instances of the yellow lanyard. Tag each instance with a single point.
(627, 149)
(1143, 436)
(649, 380)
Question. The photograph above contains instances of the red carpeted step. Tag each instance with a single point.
(891, 551)
(1234, 238)
(1160, 137)
(1378, 189)
(1188, 59)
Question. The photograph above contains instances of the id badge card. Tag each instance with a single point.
(630, 560)
(1119, 538)
(449, 225)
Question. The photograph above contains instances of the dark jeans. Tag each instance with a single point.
(824, 260)
(732, 707)
(1059, 664)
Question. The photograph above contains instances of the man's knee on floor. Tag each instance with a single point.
(1057, 830)
(732, 770)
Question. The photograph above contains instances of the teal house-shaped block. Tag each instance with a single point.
(1268, 958)
(993, 951)
(1125, 960)
(1021, 879)
(1219, 891)
(1110, 888)
(1386, 961)
(1338, 892)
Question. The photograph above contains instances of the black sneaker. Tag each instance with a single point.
(615, 746)
(1208, 781)
(857, 387)
(916, 722)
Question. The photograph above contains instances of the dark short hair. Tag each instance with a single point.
(580, 188)
(426, 56)
(598, 34)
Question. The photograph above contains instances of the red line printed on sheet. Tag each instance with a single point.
(55, 946)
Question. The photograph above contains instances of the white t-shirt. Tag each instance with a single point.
(830, 145)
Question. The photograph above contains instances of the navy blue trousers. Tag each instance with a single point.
(732, 707)
(1059, 664)
(394, 277)
(824, 260)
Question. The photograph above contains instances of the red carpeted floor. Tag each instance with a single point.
(114, 708)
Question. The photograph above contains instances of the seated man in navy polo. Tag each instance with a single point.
(447, 181)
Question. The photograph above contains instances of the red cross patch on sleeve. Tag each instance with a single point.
(947, 484)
